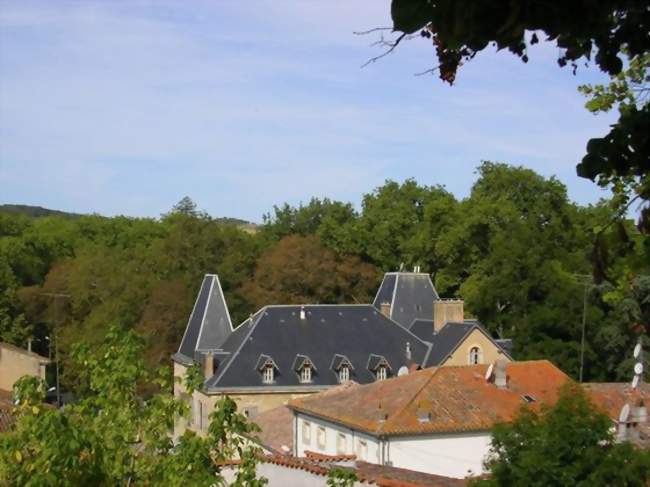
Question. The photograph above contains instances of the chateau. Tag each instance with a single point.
(285, 352)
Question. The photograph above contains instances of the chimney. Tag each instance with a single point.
(445, 311)
(408, 351)
(208, 365)
(500, 378)
(29, 345)
(385, 309)
(302, 313)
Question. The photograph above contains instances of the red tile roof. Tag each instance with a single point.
(612, 396)
(379, 475)
(456, 398)
(277, 429)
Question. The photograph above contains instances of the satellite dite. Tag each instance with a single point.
(634, 411)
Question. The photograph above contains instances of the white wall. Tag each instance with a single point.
(453, 455)
(280, 476)
(331, 433)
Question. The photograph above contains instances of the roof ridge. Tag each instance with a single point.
(254, 324)
(403, 408)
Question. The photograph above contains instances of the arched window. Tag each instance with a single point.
(475, 356)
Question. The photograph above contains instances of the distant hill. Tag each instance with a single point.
(39, 211)
(35, 211)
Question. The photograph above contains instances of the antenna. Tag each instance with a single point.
(488, 373)
(625, 413)
(638, 368)
(637, 350)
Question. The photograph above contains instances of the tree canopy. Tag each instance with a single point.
(568, 444)
(517, 250)
(611, 34)
(113, 435)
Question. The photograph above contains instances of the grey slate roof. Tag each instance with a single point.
(410, 294)
(357, 332)
(209, 325)
(448, 338)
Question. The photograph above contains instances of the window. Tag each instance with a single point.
(341, 444)
(382, 372)
(362, 449)
(306, 433)
(344, 374)
(475, 356)
(305, 374)
(205, 416)
(268, 374)
(321, 438)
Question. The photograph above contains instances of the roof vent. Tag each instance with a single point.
(500, 378)
(382, 415)
(424, 413)
(302, 313)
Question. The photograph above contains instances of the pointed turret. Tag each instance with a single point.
(209, 325)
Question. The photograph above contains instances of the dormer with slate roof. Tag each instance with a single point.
(406, 296)
(325, 338)
(209, 325)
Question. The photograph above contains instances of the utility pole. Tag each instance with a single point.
(57, 322)
(588, 286)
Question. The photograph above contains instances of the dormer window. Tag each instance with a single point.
(378, 365)
(344, 374)
(268, 375)
(305, 374)
(382, 372)
(342, 367)
(304, 367)
(266, 366)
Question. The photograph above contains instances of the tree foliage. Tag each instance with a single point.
(607, 33)
(113, 435)
(568, 444)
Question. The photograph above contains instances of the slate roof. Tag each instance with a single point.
(448, 338)
(355, 331)
(410, 294)
(209, 325)
(458, 398)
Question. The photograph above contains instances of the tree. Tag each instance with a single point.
(628, 91)
(341, 477)
(570, 443)
(302, 270)
(114, 436)
(607, 30)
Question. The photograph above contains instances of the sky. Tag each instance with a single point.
(124, 107)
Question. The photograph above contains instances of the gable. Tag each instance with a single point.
(490, 352)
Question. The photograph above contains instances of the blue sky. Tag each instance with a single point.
(124, 107)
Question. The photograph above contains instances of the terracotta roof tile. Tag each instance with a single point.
(367, 473)
(456, 398)
(276, 425)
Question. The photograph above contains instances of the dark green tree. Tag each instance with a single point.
(570, 443)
